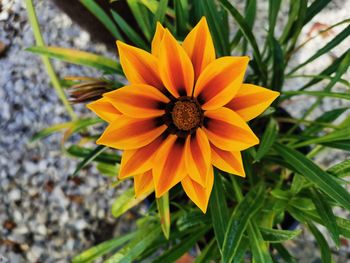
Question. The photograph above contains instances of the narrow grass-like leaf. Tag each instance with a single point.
(277, 235)
(238, 222)
(109, 170)
(341, 169)
(181, 248)
(274, 7)
(50, 130)
(258, 246)
(103, 17)
(268, 139)
(244, 27)
(329, 46)
(314, 174)
(89, 158)
(82, 152)
(164, 214)
(139, 15)
(294, 8)
(181, 13)
(321, 77)
(218, 209)
(326, 214)
(126, 201)
(95, 252)
(339, 95)
(206, 254)
(326, 117)
(314, 9)
(277, 65)
(284, 253)
(192, 219)
(160, 13)
(129, 31)
(326, 253)
(215, 21)
(79, 57)
(337, 135)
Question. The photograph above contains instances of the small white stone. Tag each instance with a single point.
(41, 230)
(14, 195)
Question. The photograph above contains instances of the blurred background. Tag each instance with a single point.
(46, 215)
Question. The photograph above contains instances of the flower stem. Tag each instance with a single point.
(50, 71)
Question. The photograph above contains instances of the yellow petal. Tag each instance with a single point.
(104, 109)
(139, 160)
(129, 133)
(143, 184)
(158, 36)
(199, 46)
(138, 101)
(228, 131)
(169, 166)
(139, 66)
(175, 67)
(251, 100)
(198, 157)
(230, 162)
(198, 194)
(220, 81)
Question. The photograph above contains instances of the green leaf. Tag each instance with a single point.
(284, 253)
(337, 135)
(326, 254)
(321, 94)
(277, 66)
(314, 174)
(326, 117)
(50, 130)
(294, 9)
(215, 21)
(340, 169)
(329, 46)
(274, 7)
(181, 248)
(315, 8)
(126, 201)
(104, 18)
(160, 13)
(89, 158)
(138, 12)
(82, 152)
(268, 139)
(95, 252)
(259, 248)
(303, 204)
(137, 246)
(278, 236)
(206, 254)
(182, 16)
(238, 222)
(110, 170)
(192, 219)
(247, 33)
(218, 209)
(79, 57)
(164, 214)
(129, 31)
(326, 214)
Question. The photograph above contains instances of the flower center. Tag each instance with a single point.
(186, 114)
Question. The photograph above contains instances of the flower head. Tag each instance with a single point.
(183, 113)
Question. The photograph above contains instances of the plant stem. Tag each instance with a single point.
(50, 71)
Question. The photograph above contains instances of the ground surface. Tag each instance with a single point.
(45, 216)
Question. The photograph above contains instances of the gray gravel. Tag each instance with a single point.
(45, 215)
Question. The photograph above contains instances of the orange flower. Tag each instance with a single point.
(183, 113)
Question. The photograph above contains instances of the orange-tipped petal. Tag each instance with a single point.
(140, 160)
(143, 184)
(129, 133)
(199, 46)
(198, 156)
(251, 100)
(198, 194)
(157, 39)
(138, 101)
(169, 166)
(230, 162)
(220, 81)
(228, 131)
(139, 66)
(175, 67)
(104, 109)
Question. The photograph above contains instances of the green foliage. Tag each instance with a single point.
(244, 216)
